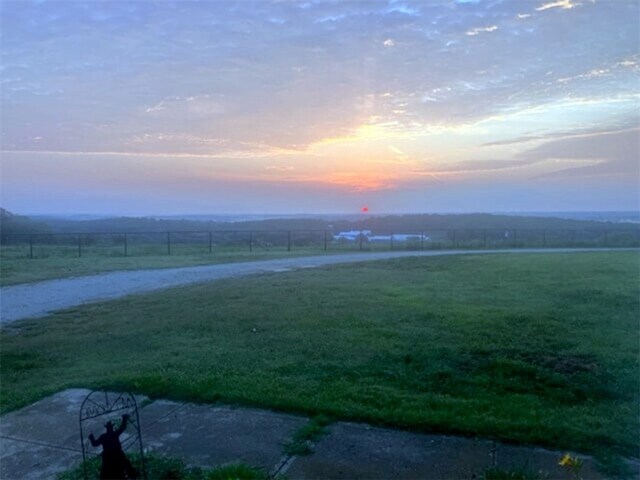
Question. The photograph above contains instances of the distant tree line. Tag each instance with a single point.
(11, 223)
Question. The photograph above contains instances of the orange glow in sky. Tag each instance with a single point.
(322, 107)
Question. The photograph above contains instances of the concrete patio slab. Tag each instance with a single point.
(215, 435)
(359, 451)
(42, 440)
(20, 460)
(51, 421)
(542, 460)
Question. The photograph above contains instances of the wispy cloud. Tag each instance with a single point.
(156, 108)
(359, 182)
(622, 147)
(280, 168)
(594, 154)
(587, 132)
(479, 30)
(563, 4)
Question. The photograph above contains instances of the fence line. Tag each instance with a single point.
(40, 245)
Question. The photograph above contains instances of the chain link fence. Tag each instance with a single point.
(16, 245)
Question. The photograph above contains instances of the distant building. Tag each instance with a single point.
(398, 237)
(354, 235)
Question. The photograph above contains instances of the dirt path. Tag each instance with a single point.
(41, 298)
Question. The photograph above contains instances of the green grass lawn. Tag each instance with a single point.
(25, 270)
(534, 348)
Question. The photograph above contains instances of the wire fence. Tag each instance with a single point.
(43, 245)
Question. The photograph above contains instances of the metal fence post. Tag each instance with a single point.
(465, 239)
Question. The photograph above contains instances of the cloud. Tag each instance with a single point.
(600, 154)
(558, 134)
(562, 4)
(615, 153)
(476, 31)
(403, 9)
(473, 167)
(280, 168)
(156, 108)
(594, 73)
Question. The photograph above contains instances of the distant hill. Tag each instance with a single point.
(12, 223)
(388, 223)
(148, 224)
(477, 221)
(616, 217)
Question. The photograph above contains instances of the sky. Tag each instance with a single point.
(140, 108)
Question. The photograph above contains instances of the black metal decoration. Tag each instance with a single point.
(109, 416)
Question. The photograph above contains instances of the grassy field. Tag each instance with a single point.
(534, 348)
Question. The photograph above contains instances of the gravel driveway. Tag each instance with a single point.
(39, 299)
